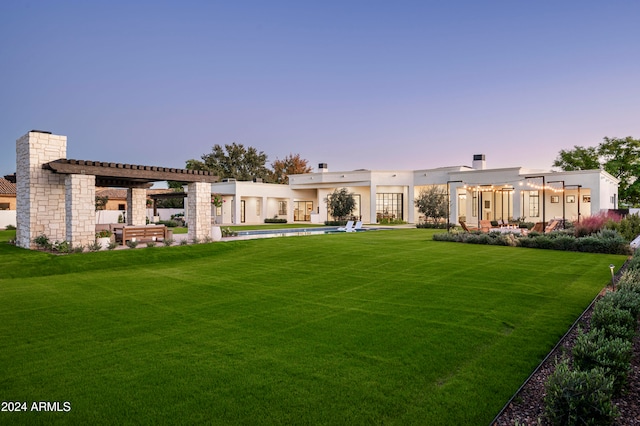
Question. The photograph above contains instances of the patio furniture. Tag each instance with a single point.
(348, 227)
(143, 233)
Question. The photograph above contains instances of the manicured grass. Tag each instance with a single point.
(364, 328)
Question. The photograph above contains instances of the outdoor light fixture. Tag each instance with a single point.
(613, 283)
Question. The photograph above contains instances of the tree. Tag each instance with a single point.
(433, 203)
(291, 165)
(233, 161)
(341, 203)
(619, 157)
(578, 158)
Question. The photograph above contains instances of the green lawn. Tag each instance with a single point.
(364, 328)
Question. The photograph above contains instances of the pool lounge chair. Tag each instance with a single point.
(348, 227)
(358, 226)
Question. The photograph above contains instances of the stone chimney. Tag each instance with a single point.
(479, 162)
(323, 168)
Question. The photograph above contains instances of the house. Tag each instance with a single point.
(475, 193)
(7, 194)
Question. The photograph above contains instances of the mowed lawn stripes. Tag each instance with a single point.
(374, 327)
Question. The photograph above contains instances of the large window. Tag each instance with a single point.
(389, 206)
(282, 208)
(302, 211)
(534, 204)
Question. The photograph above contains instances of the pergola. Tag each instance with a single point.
(56, 195)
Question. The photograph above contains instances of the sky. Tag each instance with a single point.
(356, 84)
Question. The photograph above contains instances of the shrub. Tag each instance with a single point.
(169, 223)
(629, 285)
(615, 322)
(63, 247)
(184, 242)
(626, 300)
(104, 233)
(43, 242)
(10, 228)
(76, 249)
(335, 222)
(629, 227)
(151, 244)
(579, 397)
(275, 220)
(112, 245)
(168, 241)
(132, 244)
(589, 225)
(228, 232)
(95, 246)
(195, 240)
(594, 349)
(431, 225)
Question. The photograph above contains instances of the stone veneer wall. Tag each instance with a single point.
(40, 194)
(136, 206)
(80, 198)
(199, 210)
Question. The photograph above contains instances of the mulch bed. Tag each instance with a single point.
(527, 406)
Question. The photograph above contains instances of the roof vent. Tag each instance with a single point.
(323, 168)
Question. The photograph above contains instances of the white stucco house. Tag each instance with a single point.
(475, 193)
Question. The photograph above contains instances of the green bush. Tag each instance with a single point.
(579, 397)
(275, 220)
(169, 223)
(615, 322)
(626, 300)
(43, 242)
(627, 284)
(10, 228)
(430, 225)
(594, 349)
(628, 228)
(335, 222)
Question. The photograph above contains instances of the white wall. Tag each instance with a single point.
(7, 217)
(111, 216)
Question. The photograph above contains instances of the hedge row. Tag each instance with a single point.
(601, 359)
(605, 241)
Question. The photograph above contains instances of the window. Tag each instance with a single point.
(302, 211)
(389, 206)
(121, 207)
(4, 206)
(282, 208)
(534, 204)
(474, 204)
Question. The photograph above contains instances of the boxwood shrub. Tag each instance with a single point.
(275, 220)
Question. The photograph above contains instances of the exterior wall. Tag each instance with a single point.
(80, 196)
(40, 193)
(199, 210)
(10, 199)
(7, 217)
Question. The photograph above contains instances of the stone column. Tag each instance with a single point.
(40, 198)
(199, 210)
(136, 206)
(80, 199)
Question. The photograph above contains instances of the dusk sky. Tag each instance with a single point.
(355, 84)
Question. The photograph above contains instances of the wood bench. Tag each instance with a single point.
(141, 233)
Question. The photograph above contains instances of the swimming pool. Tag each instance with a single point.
(291, 232)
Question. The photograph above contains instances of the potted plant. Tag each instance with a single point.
(216, 202)
(103, 238)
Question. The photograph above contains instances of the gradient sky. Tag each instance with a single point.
(356, 84)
